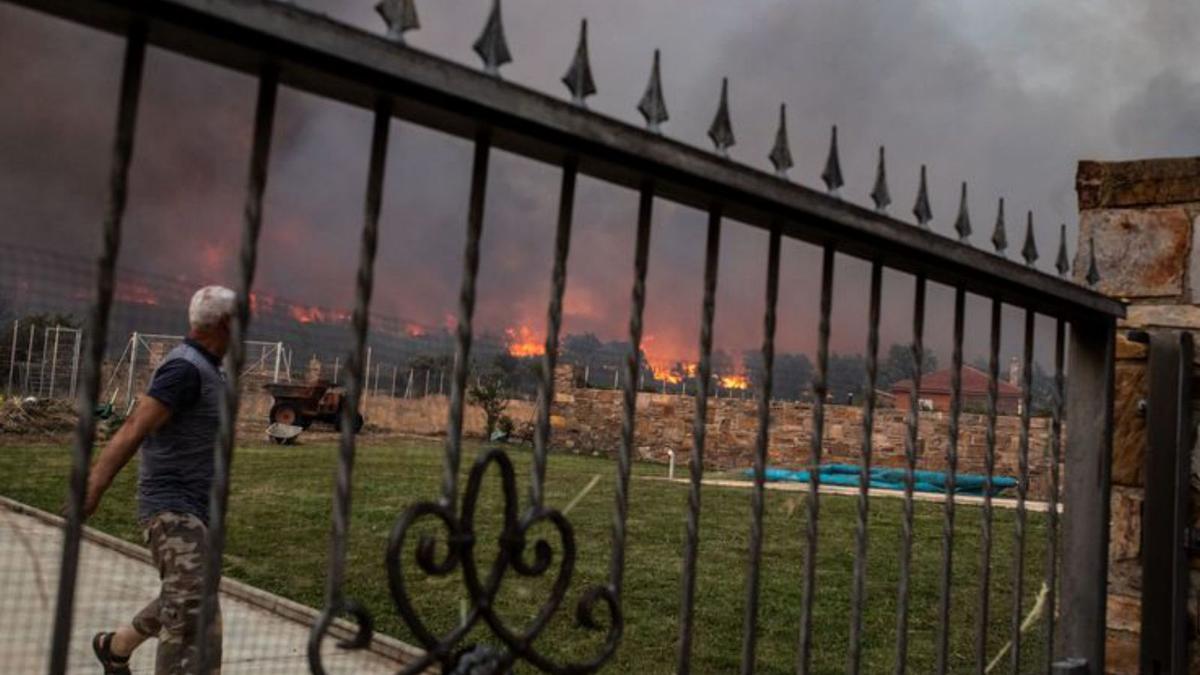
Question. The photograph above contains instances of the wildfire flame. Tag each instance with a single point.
(735, 382)
(135, 294)
(413, 330)
(522, 342)
(317, 314)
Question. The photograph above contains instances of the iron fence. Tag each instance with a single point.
(280, 44)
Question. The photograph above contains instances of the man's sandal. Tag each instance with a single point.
(113, 665)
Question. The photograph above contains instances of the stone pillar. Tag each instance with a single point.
(1142, 218)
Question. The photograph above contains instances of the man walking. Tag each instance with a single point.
(175, 426)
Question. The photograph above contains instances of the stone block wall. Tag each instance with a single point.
(589, 420)
(1142, 218)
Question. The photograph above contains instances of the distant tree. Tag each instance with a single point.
(898, 365)
(581, 350)
(489, 394)
(847, 374)
(792, 374)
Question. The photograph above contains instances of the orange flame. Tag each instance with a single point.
(413, 330)
(135, 294)
(523, 343)
(317, 314)
(735, 382)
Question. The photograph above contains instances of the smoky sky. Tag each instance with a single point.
(1006, 96)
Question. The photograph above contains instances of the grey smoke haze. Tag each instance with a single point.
(1007, 96)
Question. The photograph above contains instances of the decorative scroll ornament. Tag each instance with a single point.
(999, 238)
(1029, 251)
(400, 17)
(921, 209)
(781, 153)
(1063, 263)
(880, 194)
(491, 45)
(652, 106)
(832, 175)
(962, 225)
(721, 129)
(482, 589)
(579, 76)
(1093, 275)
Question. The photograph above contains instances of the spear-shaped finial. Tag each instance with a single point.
(832, 175)
(1093, 275)
(400, 17)
(781, 154)
(1029, 251)
(579, 76)
(721, 129)
(962, 225)
(652, 106)
(999, 238)
(1063, 263)
(921, 208)
(879, 193)
(491, 45)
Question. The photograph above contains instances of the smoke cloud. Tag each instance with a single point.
(1006, 96)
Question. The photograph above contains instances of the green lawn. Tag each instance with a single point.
(279, 528)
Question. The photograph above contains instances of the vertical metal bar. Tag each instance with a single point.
(989, 461)
(816, 445)
(757, 498)
(1055, 458)
(85, 429)
(335, 596)
(641, 259)
(859, 587)
(558, 286)
(12, 359)
(29, 359)
(75, 361)
(133, 349)
(264, 117)
(1018, 584)
(336, 366)
(943, 648)
(1086, 504)
(910, 466)
(278, 358)
(712, 254)
(41, 387)
(466, 311)
(54, 362)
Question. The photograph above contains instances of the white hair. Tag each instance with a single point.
(210, 305)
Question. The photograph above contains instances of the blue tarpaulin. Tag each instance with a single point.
(893, 479)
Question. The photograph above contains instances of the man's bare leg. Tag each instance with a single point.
(125, 640)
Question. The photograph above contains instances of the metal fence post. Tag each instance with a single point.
(75, 361)
(133, 348)
(337, 362)
(41, 387)
(12, 360)
(54, 362)
(29, 360)
(1086, 494)
(278, 359)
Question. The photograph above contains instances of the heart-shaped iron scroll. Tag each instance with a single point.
(460, 550)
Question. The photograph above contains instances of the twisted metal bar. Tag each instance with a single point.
(1056, 424)
(264, 117)
(943, 646)
(989, 462)
(482, 590)
(816, 444)
(1022, 491)
(558, 286)
(335, 599)
(910, 466)
(859, 587)
(85, 428)
(466, 311)
(712, 252)
(629, 399)
(750, 620)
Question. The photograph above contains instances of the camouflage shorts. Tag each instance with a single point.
(178, 544)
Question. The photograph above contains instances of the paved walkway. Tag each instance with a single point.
(113, 586)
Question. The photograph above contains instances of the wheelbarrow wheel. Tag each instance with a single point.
(285, 413)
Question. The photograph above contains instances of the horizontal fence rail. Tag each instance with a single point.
(282, 45)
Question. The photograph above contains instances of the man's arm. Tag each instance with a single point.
(148, 416)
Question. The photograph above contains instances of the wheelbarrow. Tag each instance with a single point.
(284, 434)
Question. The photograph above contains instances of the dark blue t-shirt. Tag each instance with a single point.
(176, 383)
